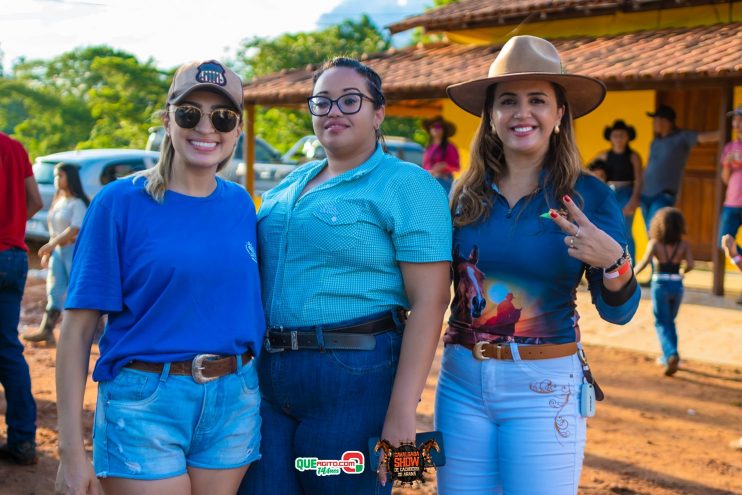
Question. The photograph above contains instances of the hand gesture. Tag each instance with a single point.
(77, 478)
(398, 428)
(585, 241)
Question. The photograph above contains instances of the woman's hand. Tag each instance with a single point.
(76, 477)
(44, 261)
(630, 207)
(46, 249)
(585, 241)
(399, 427)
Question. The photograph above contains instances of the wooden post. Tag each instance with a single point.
(717, 256)
(249, 148)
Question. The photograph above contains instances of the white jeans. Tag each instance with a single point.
(509, 427)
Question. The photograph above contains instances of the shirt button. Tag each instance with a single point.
(334, 219)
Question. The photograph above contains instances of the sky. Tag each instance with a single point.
(155, 29)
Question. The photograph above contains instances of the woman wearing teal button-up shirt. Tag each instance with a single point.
(347, 244)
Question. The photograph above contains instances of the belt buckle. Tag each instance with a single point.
(478, 351)
(197, 368)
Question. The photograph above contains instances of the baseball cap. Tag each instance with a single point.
(209, 75)
(736, 111)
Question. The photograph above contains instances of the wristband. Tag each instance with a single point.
(617, 272)
(625, 259)
(737, 259)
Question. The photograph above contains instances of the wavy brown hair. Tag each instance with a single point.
(472, 197)
(667, 226)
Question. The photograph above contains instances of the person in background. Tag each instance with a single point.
(598, 168)
(19, 200)
(623, 171)
(731, 175)
(668, 156)
(170, 254)
(529, 223)
(441, 158)
(65, 218)
(666, 250)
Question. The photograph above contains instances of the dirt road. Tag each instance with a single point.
(652, 436)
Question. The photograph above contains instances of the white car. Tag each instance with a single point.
(97, 168)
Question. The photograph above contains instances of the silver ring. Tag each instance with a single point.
(572, 242)
(577, 234)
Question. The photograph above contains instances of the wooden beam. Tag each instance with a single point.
(249, 148)
(717, 256)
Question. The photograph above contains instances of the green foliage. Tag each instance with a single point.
(419, 36)
(91, 97)
(257, 57)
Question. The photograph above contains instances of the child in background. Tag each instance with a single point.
(667, 249)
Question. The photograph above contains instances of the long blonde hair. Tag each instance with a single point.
(157, 178)
(473, 196)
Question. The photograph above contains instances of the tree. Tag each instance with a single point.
(91, 97)
(261, 56)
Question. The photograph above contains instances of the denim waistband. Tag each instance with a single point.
(394, 313)
(667, 276)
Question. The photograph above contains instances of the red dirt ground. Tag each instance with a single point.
(651, 436)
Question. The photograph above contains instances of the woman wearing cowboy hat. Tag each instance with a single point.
(623, 170)
(441, 158)
(528, 224)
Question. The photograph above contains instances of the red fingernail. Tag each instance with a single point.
(567, 198)
(553, 214)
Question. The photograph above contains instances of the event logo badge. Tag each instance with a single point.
(407, 463)
(352, 462)
(211, 72)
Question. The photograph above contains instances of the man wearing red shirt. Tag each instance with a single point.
(19, 200)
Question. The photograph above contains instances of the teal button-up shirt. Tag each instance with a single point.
(333, 254)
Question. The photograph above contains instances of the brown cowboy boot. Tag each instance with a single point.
(45, 332)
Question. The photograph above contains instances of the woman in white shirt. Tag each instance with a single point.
(65, 218)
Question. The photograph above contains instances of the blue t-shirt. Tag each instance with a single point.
(177, 278)
(667, 159)
(335, 251)
(514, 278)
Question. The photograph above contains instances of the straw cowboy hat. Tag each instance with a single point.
(448, 127)
(619, 125)
(529, 57)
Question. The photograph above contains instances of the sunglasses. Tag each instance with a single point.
(223, 119)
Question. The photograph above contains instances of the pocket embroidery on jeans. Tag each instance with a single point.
(560, 399)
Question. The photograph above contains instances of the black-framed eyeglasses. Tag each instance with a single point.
(348, 104)
(223, 119)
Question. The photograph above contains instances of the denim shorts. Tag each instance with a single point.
(152, 426)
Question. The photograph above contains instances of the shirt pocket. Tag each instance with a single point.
(333, 227)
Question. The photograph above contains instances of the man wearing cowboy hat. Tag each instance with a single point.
(731, 175)
(668, 155)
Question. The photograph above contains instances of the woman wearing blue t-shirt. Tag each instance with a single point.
(348, 245)
(170, 255)
(529, 223)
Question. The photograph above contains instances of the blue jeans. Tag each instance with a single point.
(509, 427)
(58, 277)
(139, 434)
(15, 378)
(666, 298)
(730, 221)
(321, 404)
(623, 195)
(651, 204)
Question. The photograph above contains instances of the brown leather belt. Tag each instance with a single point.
(357, 337)
(485, 350)
(203, 368)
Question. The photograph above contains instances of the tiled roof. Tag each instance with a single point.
(480, 13)
(647, 56)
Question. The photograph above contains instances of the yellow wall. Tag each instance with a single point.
(466, 128)
(604, 25)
